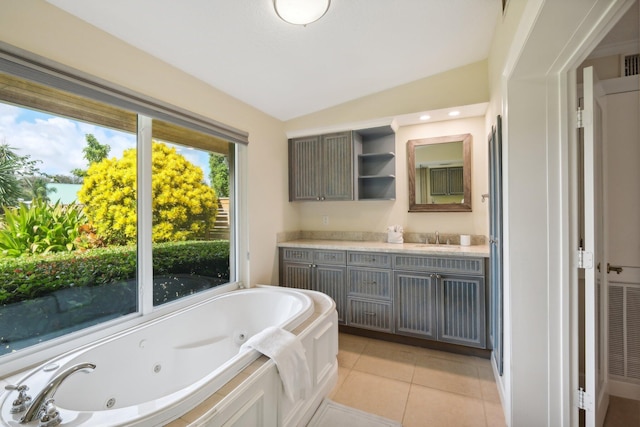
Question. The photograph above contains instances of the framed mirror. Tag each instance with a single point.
(439, 171)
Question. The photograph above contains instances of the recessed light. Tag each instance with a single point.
(425, 117)
(454, 113)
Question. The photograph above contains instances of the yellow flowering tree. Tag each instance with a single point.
(184, 207)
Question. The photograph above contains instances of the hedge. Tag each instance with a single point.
(30, 277)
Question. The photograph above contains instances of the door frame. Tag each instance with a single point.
(538, 102)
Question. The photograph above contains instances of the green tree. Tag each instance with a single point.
(12, 168)
(35, 187)
(184, 207)
(219, 175)
(94, 152)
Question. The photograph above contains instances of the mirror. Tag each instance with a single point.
(439, 172)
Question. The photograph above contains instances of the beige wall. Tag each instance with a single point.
(377, 215)
(38, 27)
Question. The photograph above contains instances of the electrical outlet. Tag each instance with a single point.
(325, 219)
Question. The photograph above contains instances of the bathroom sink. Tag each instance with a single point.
(432, 246)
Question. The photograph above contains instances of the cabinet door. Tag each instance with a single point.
(297, 275)
(456, 180)
(305, 168)
(331, 280)
(415, 299)
(337, 166)
(461, 317)
(439, 182)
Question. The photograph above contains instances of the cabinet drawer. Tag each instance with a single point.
(436, 264)
(330, 257)
(370, 283)
(370, 314)
(297, 254)
(369, 259)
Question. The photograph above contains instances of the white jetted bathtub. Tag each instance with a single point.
(156, 373)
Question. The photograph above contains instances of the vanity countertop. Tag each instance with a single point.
(407, 248)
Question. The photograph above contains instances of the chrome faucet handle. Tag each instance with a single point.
(50, 415)
(22, 401)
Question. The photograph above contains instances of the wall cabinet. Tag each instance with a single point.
(447, 181)
(353, 165)
(321, 167)
(376, 168)
(432, 297)
(319, 270)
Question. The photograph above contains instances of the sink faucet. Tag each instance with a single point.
(49, 390)
(437, 238)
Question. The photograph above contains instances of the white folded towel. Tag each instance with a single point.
(286, 350)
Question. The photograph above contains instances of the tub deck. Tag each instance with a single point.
(210, 404)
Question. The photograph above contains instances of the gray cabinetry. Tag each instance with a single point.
(447, 181)
(415, 300)
(321, 167)
(435, 297)
(441, 298)
(319, 270)
(376, 166)
(461, 310)
(369, 292)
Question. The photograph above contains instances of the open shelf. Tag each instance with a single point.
(376, 163)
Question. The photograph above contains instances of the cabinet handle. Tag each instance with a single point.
(369, 313)
(370, 283)
(321, 197)
(318, 198)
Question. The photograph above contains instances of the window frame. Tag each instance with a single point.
(32, 67)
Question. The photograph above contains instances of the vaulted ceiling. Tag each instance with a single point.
(358, 48)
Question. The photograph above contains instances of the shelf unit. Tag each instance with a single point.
(376, 164)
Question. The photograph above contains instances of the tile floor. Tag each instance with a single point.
(416, 386)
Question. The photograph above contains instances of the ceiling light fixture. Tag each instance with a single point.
(425, 117)
(454, 113)
(301, 12)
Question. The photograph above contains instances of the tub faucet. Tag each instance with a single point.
(49, 390)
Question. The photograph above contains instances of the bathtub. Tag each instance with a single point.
(157, 372)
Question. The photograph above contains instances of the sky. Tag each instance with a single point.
(58, 142)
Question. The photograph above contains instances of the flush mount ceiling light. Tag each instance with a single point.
(301, 12)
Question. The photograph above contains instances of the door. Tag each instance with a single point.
(595, 340)
(495, 240)
(622, 175)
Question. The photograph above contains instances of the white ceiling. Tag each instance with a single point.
(358, 48)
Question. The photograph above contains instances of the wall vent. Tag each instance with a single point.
(632, 65)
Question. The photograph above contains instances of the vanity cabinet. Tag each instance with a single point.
(435, 297)
(319, 270)
(370, 291)
(441, 298)
(321, 167)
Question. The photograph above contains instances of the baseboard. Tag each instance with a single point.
(624, 389)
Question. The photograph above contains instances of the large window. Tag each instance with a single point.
(111, 206)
